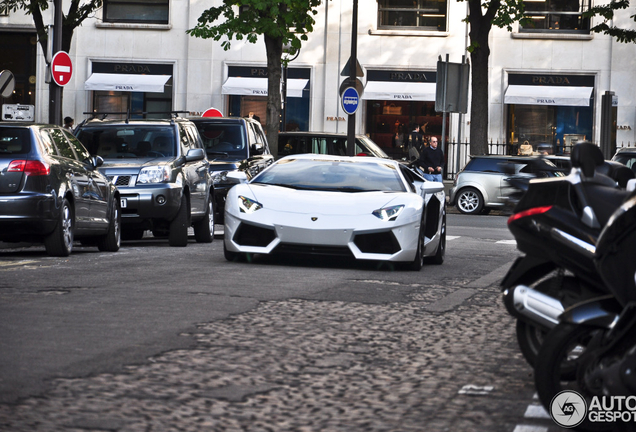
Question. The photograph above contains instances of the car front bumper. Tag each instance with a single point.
(159, 201)
(326, 235)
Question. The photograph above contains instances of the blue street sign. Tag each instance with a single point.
(350, 100)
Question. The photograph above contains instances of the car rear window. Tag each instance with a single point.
(129, 141)
(14, 141)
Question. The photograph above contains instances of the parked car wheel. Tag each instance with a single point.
(178, 235)
(204, 228)
(60, 241)
(470, 201)
(112, 240)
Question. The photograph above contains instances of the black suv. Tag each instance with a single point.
(52, 192)
(232, 144)
(161, 171)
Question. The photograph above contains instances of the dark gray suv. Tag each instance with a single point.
(162, 174)
(232, 144)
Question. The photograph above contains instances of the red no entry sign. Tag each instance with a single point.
(61, 68)
(212, 112)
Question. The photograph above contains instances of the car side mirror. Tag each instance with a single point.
(97, 161)
(257, 148)
(431, 187)
(196, 154)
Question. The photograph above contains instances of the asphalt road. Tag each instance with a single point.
(100, 314)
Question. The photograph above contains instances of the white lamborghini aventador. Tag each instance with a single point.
(362, 207)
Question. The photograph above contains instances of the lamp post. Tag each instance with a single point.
(286, 49)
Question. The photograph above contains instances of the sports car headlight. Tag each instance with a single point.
(388, 213)
(247, 205)
(154, 174)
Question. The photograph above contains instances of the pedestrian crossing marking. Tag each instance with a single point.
(510, 242)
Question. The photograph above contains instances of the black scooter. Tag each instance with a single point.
(593, 349)
(556, 224)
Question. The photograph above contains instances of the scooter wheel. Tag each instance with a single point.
(559, 365)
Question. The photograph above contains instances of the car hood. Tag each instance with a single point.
(224, 165)
(288, 200)
(132, 165)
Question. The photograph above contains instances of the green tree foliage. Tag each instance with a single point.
(607, 13)
(77, 12)
(281, 23)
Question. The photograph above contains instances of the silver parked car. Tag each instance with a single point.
(482, 184)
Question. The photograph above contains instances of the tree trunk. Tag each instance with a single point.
(480, 25)
(274, 49)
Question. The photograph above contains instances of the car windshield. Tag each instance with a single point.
(373, 147)
(223, 140)
(625, 159)
(14, 141)
(129, 141)
(333, 175)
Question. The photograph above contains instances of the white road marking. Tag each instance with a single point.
(510, 242)
(525, 428)
(452, 237)
(536, 411)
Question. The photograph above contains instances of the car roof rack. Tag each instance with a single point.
(104, 114)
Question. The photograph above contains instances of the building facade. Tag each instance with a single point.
(546, 85)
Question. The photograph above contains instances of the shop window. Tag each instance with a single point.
(563, 16)
(138, 11)
(427, 15)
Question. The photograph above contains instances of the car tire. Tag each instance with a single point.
(204, 227)
(440, 253)
(60, 241)
(112, 240)
(470, 201)
(232, 256)
(178, 235)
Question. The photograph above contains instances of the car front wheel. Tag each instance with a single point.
(178, 235)
(470, 201)
(204, 227)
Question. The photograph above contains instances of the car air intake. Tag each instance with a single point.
(380, 243)
(252, 235)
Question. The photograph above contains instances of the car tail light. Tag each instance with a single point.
(529, 212)
(29, 167)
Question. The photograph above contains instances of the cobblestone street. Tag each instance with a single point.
(300, 365)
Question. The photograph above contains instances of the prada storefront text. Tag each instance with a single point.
(134, 87)
(396, 101)
(553, 110)
(246, 88)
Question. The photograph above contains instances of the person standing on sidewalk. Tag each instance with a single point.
(432, 160)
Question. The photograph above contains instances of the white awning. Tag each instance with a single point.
(258, 86)
(390, 90)
(126, 82)
(548, 95)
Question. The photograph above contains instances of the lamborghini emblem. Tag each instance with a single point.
(314, 219)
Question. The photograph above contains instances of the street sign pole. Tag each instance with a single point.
(55, 91)
(351, 121)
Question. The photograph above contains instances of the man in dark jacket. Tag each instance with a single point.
(432, 160)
